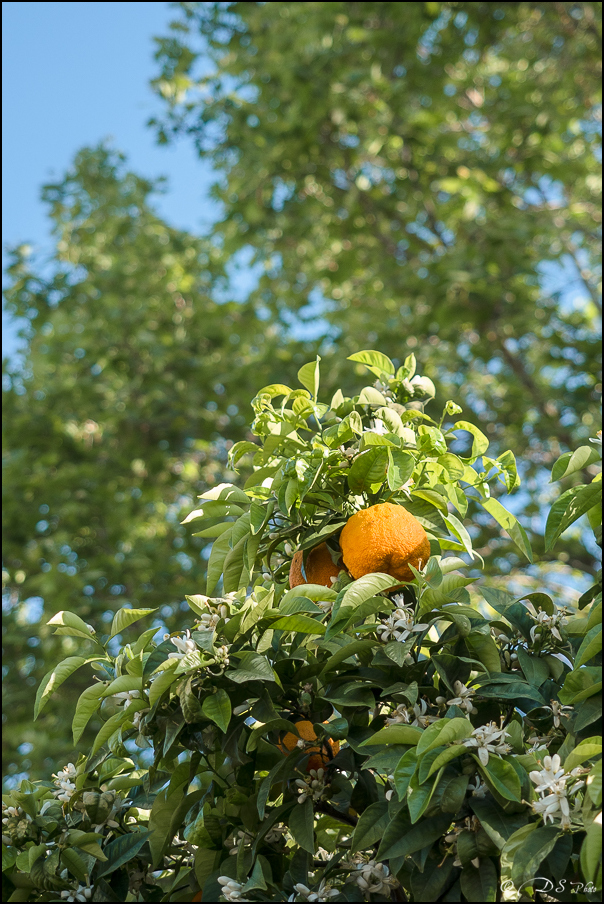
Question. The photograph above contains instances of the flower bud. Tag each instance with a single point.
(423, 387)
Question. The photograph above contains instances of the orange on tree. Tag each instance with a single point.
(197, 896)
(320, 567)
(386, 538)
(319, 755)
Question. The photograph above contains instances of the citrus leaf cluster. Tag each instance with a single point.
(458, 734)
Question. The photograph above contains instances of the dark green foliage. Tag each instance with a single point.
(115, 420)
(464, 769)
(407, 171)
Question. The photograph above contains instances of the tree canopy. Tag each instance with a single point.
(408, 171)
(370, 734)
(418, 177)
(132, 376)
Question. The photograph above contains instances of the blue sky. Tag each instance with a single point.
(75, 74)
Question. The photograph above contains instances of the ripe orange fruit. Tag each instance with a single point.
(319, 757)
(197, 896)
(320, 568)
(386, 538)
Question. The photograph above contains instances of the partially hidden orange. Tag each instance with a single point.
(319, 755)
(197, 896)
(386, 538)
(320, 567)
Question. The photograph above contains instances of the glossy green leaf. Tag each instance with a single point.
(401, 839)
(88, 703)
(590, 748)
(445, 731)
(574, 461)
(580, 684)
(309, 376)
(376, 362)
(71, 624)
(394, 734)
(480, 443)
(217, 708)
(53, 680)
(451, 753)
(480, 883)
(510, 524)
(368, 470)
(121, 850)
(404, 772)
(123, 618)
(530, 855)
(161, 682)
(400, 468)
(301, 623)
(590, 646)
(569, 508)
(591, 854)
(301, 825)
(252, 667)
(226, 492)
(370, 827)
(502, 777)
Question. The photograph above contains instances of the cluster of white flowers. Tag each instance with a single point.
(371, 877)
(222, 656)
(323, 892)
(64, 782)
(469, 824)
(400, 715)
(184, 645)
(118, 804)
(312, 786)
(463, 698)
(550, 783)
(422, 718)
(238, 841)
(478, 788)
(377, 426)
(550, 622)
(416, 715)
(126, 697)
(388, 794)
(82, 893)
(231, 890)
(137, 877)
(326, 605)
(400, 624)
(558, 710)
(384, 388)
(138, 717)
(488, 739)
(276, 834)
(500, 636)
(8, 813)
(208, 620)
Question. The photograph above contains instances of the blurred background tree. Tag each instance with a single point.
(127, 402)
(423, 176)
(415, 177)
